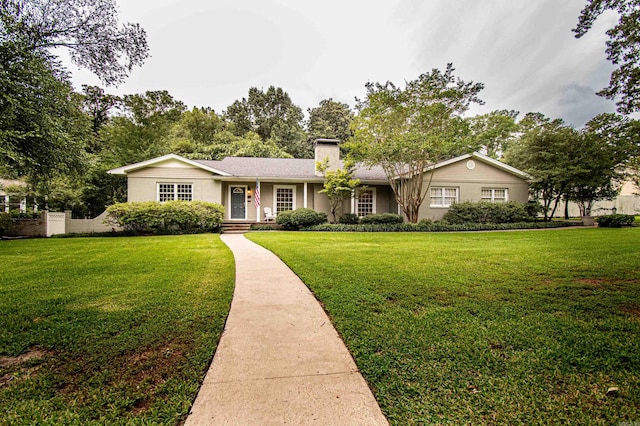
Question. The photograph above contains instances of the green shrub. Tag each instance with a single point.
(5, 224)
(379, 219)
(170, 217)
(615, 220)
(440, 226)
(284, 219)
(263, 227)
(349, 219)
(300, 218)
(29, 214)
(533, 209)
(486, 212)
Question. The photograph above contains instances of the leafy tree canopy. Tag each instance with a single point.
(493, 132)
(273, 116)
(41, 126)
(406, 130)
(623, 49)
(88, 28)
(567, 164)
(338, 185)
(330, 119)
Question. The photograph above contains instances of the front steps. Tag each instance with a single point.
(235, 227)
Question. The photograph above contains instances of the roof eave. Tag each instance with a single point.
(141, 165)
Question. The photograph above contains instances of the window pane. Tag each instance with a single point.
(436, 196)
(184, 192)
(451, 196)
(486, 195)
(165, 192)
(444, 197)
(284, 199)
(365, 202)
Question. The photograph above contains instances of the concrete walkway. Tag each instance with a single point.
(279, 361)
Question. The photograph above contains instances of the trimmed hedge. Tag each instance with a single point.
(438, 227)
(486, 212)
(349, 218)
(172, 217)
(615, 220)
(380, 219)
(5, 224)
(300, 218)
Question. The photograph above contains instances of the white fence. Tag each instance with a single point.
(53, 223)
(624, 204)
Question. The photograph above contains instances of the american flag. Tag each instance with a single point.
(256, 196)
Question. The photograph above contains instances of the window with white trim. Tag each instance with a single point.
(175, 191)
(284, 198)
(366, 202)
(495, 195)
(443, 196)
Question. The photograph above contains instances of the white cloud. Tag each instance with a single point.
(208, 53)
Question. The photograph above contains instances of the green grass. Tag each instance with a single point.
(484, 328)
(122, 329)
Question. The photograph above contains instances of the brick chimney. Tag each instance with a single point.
(327, 148)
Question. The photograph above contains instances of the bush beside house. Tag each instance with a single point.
(381, 219)
(5, 224)
(486, 212)
(293, 220)
(187, 217)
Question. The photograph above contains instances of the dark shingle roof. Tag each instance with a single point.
(281, 168)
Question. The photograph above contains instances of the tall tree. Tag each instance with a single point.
(272, 115)
(330, 119)
(583, 166)
(407, 130)
(616, 141)
(543, 151)
(142, 131)
(89, 29)
(98, 104)
(338, 185)
(40, 134)
(493, 132)
(623, 49)
(40, 130)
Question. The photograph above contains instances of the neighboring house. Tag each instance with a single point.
(12, 196)
(291, 183)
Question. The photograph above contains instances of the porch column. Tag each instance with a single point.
(353, 202)
(304, 204)
(6, 204)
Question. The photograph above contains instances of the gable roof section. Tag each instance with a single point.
(284, 168)
(264, 167)
(484, 158)
(295, 168)
(154, 161)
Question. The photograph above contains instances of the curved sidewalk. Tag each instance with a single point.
(279, 360)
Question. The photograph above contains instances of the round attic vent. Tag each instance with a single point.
(471, 164)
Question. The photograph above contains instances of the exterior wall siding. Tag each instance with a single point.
(470, 183)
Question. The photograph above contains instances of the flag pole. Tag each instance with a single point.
(256, 199)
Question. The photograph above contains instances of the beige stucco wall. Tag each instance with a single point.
(470, 183)
(142, 185)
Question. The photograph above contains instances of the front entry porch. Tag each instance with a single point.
(243, 226)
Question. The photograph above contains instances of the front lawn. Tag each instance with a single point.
(528, 327)
(109, 330)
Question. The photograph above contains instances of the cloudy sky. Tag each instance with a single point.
(210, 52)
